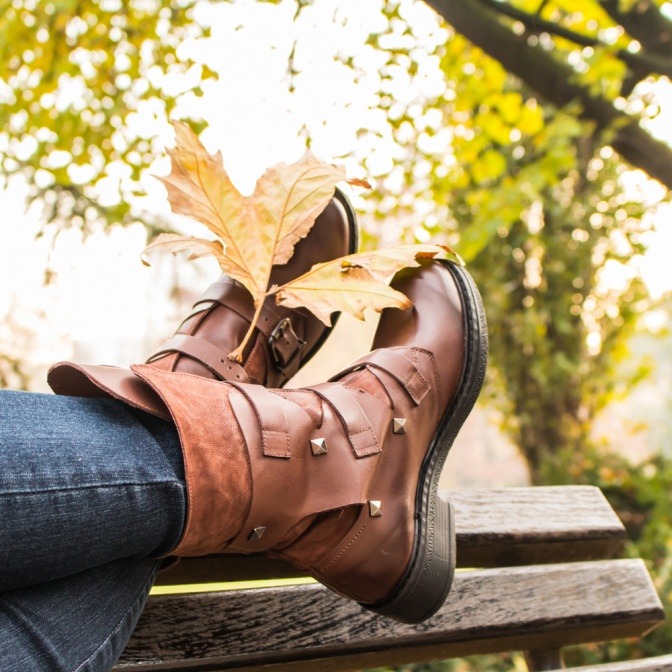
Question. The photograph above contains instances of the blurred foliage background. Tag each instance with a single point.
(532, 134)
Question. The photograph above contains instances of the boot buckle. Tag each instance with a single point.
(285, 346)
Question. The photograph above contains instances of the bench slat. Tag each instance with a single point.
(308, 627)
(495, 528)
(659, 664)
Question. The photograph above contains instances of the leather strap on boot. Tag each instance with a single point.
(280, 327)
(210, 356)
(401, 364)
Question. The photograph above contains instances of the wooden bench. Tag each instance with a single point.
(544, 579)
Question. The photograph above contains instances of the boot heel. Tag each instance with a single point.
(427, 583)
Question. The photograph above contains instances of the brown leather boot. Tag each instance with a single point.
(285, 340)
(341, 478)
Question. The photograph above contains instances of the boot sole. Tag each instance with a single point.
(426, 583)
(353, 232)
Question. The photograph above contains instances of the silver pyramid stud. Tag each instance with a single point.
(398, 425)
(256, 533)
(375, 508)
(318, 446)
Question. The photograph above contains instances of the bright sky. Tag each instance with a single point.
(103, 295)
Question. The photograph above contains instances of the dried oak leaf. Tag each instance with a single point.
(254, 232)
(354, 283)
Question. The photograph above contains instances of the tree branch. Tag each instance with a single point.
(642, 62)
(645, 23)
(555, 82)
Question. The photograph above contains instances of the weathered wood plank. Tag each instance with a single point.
(510, 526)
(537, 607)
(514, 526)
(659, 664)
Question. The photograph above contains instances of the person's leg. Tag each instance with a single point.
(83, 482)
(79, 623)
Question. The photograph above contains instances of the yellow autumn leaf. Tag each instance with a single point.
(352, 290)
(197, 247)
(255, 231)
(199, 187)
(355, 282)
(288, 199)
(382, 264)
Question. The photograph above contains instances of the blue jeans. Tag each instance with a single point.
(92, 493)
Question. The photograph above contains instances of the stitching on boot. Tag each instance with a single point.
(417, 352)
(417, 376)
(437, 382)
(351, 385)
(272, 450)
(343, 551)
(354, 379)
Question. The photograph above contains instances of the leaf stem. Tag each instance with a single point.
(237, 354)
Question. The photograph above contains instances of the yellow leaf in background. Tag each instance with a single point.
(355, 282)
(494, 127)
(488, 166)
(510, 106)
(531, 120)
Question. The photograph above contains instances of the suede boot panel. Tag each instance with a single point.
(76, 380)
(216, 463)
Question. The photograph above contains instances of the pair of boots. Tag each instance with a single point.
(340, 478)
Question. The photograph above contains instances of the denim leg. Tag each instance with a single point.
(80, 623)
(83, 482)
(89, 491)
